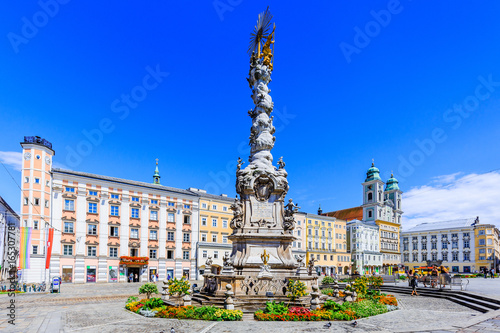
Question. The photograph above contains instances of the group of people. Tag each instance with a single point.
(486, 271)
(437, 275)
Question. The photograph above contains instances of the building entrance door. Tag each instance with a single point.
(135, 271)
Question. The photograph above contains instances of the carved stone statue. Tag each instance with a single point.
(209, 262)
(291, 208)
(240, 163)
(300, 260)
(237, 221)
(281, 164)
(227, 260)
(310, 267)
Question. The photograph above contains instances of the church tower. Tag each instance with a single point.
(393, 194)
(156, 176)
(373, 199)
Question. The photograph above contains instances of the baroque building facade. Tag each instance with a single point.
(327, 244)
(462, 246)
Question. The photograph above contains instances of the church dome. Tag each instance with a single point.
(373, 173)
(392, 184)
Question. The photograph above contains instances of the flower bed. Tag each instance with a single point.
(154, 308)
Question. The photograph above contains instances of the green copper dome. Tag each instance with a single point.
(392, 184)
(373, 173)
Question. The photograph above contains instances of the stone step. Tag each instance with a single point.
(481, 304)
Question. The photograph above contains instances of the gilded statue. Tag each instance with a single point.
(265, 257)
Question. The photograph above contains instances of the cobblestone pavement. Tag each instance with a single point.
(70, 312)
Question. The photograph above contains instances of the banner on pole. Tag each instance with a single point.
(49, 247)
(24, 248)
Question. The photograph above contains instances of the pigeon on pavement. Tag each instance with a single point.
(327, 325)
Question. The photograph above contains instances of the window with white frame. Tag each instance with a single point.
(224, 223)
(214, 207)
(35, 224)
(70, 189)
(224, 239)
(171, 204)
(35, 249)
(93, 193)
(170, 236)
(67, 250)
(214, 238)
(135, 199)
(134, 233)
(153, 234)
(204, 205)
(114, 210)
(203, 221)
(224, 208)
(154, 201)
(91, 251)
(204, 254)
(92, 229)
(113, 252)
(113, 231)
(152, 253)
(187, 206)
(214, 223)
(135, 213)
(115, 196)
(185, 237)
(93, 207)
(185, 255)
(68, 227)
(153, 215)
(171, 217)
(203, 237)
(216, 254)
(69, 204)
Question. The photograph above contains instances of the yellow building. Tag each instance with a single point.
(213, 242)
(327, 244)
(486, 246)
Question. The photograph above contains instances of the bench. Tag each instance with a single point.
(391, 279)
(458, 281)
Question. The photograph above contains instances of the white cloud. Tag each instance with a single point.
(13, 159)
(454, 196)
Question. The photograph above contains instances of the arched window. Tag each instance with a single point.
(379, 196)
(370, 213)
(370, 196)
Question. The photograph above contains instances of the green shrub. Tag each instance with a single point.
(367, 308)
(132, 299)
(153, 303)
(276, 308)
(331, 306)
(148, 289)
(327, 280)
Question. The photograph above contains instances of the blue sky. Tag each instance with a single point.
(412, 85)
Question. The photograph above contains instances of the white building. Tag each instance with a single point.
(364, 246)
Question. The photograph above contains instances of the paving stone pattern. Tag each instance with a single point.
(70, 312)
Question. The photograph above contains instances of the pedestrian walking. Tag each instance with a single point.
(413, 284)
(492, 273)
(136, 278)
(130, 277)
(485, 272)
